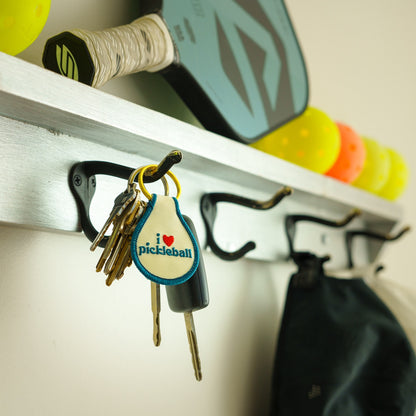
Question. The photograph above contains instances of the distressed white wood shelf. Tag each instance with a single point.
(49, 122)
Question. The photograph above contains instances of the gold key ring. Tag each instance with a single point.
(169, 173)
(143, 189)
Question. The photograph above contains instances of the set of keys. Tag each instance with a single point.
(115, 258)
(128, 211)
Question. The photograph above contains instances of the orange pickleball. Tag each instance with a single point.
(350, 161)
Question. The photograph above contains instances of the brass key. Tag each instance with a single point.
(190, 297)
(124, 259)
(120, 204)
(121, 226)
(112, 241)
(155, 289)
(120, 257)
(193, 344)
(118, 245)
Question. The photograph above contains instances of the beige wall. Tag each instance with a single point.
(362, 71)
(71, 346)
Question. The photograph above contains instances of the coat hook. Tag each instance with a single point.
(82, 183)
(208, 208)
(349, 236)
(291, 220)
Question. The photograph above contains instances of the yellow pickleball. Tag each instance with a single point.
(21, 22)
(311, 140)
(397, 179)
(376, 167)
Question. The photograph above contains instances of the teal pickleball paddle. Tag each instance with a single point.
(236, 64)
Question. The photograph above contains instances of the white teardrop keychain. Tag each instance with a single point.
(163, 247)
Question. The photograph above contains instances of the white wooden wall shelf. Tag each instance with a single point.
(48, 123)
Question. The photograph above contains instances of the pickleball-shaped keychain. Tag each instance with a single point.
(163, 247)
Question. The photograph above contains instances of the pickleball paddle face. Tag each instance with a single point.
(238, 65)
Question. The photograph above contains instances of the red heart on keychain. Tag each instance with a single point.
(168, 239)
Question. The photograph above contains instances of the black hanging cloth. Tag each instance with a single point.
(341, 352)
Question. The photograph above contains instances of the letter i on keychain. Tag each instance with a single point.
(163, 247)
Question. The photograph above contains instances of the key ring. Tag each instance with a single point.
(141, 172)
(143, 169)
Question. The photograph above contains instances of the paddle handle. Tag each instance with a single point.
(96, 57)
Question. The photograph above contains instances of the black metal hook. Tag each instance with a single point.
(82, 183)
(349, 236)
(291, 220)
(208, 208)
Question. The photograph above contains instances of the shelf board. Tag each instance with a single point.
(64, 108)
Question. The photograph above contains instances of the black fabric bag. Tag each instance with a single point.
(341, 352)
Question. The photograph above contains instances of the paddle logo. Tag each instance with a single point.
(66, 62)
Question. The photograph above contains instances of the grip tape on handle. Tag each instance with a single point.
(94, 58)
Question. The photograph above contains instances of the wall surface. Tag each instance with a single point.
(70, 345)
